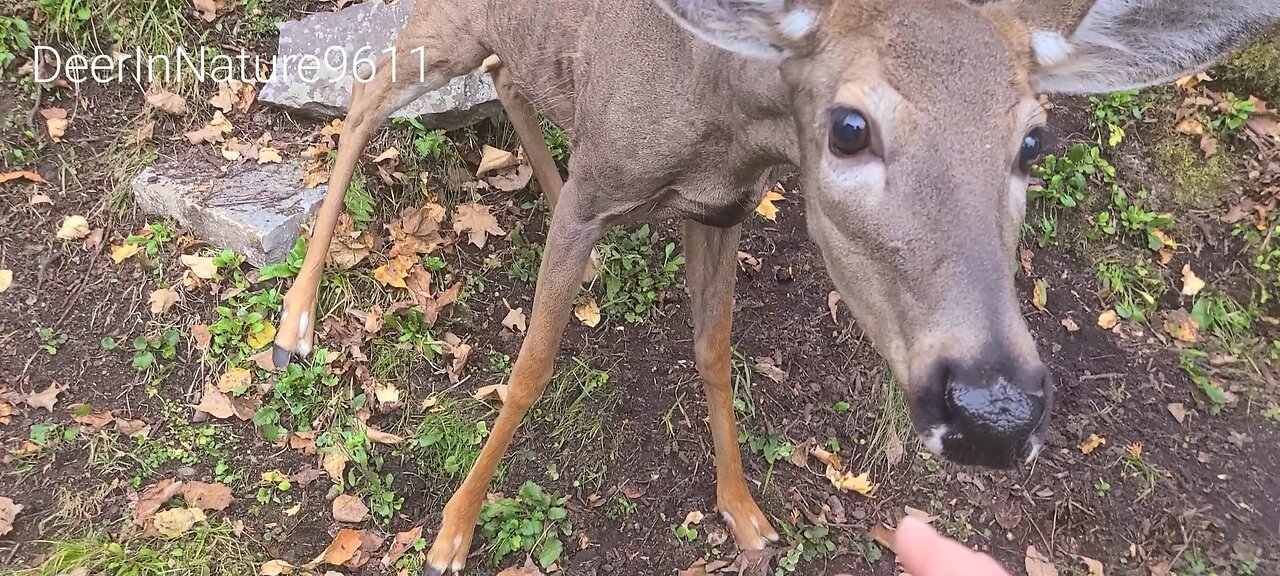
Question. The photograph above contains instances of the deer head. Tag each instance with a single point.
(918, 123)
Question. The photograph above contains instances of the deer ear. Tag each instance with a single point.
(757, 28)
(1124, 44)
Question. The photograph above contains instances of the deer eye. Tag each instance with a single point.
(1033, 145)
(850, 132)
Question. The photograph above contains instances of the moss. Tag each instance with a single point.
(1193, 181)
(1255, 69)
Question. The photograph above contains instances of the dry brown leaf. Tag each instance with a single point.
(1040, 294)
(1070, 325)
(122, 252)
(335, 464)
(207, 495)
(476, 220)
(515, 320)
(492, 392)
(153, 497)
(339, 551)
(886, 536)
(162, 299)
(1182, 326)
(588, 312)
(235, 378)
(350, 509)
(215, 403)
(84, 414)
(1178, 411)
(511, 179)
(395, 271)
(1038, 565)
(46, 398)
(493, 159)
(73, 227)
(8, 513)
(833, 305)
(349, 246)
(768, 207)
(276, 568)
(529, 569)
(401, 544)
(22, 174)
(1190, 126)
(55, 121)
(6, 280)
(378, 436)
(391, 153)
(1191, 284)
(1095, 567)
(458, 351)
(167, 101)
(1108, 319)
(387, 395)
(269, 155)
(177, 521)
(769, 367)
(202, 266)
(1092, 443)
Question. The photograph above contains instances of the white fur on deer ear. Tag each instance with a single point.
(1124, 44)
(756, 28)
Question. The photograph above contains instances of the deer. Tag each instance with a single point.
(912, 125)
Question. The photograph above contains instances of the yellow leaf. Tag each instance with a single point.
(847, 482)
(201, 266)
(262, 337)
(168, 102)
(124, 252)
(1165, 239)
(389, 154)
(275, 568)
(1092, 443)
(394, 272)
(269, 155)
(493, 159)
(1191, 284)
(235, 378)
(176, 522)
(73, 227)
(1040, 295)
(1108, 320)
(1182, 326)
(767, 208)
(6, 280)
(588, 312)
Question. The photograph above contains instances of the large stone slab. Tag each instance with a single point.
(336, 40)
(257, 211)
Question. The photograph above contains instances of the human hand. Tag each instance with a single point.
(924, 552)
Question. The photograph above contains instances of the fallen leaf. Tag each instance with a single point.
(350, 509)
(1040, 294)
(1095, 567)
(46, 398)
(178, 521)
(1038, 565)
(202, 266)
(73, 227)
(693, 519)
(886, 536)
(84, 414)
(207, 495)
(269, 156)
(1070, 325)
(1108, 320)
(162, 299)
(1190, 126)
(8, 513)
(492, 392)
(387, 394)
(1178, 411)
(511, 179)
(529, 569)
(588, 312)
(262, 337)
(55, 121)
(493, 159)
(342, 548)
(235, 379)
(1026, 258)
(515, 320)
(394, 272)
(833, 305)
(1191, 284)
(1208, 145)
(1182, 326)
(1092, 443)
(767, 207)
(349, 246)
(215, 403)
(335, 464)
(401, 544)
(6, 280)
(153, 497)
(768, 366)
(380, 437)
(303, 441)
(120, 253)
(167, 101)
(208, 9)
(459, 351)
(847, 482)
(22, 174)
(201, 336)
(276, 568)
(391, 153)
(475, 219)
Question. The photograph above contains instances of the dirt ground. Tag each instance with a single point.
(1160, 461)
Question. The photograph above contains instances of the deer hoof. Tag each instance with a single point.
(296, 332)
(751, 529)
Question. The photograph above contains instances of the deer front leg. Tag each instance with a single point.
(371, 103)
(569, 242)
(711, 256)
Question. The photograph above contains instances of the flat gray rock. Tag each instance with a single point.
(337, 41)
(256, 210)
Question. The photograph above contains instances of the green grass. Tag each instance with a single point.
(215, 549)
(635, 269)
(1131, 288)
(445, 441)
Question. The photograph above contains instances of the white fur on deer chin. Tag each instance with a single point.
(1050, 48)
(933, 442)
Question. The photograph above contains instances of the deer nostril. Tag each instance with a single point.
(996, 410)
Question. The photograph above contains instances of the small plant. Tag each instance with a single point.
(429, 144)
(684, 532)
(619, 506)
(1130, 217)
(557, 140)
(148, 352)
(292, 263)
(808, 544)
(1139, 467)
(241, 328)
(411, 327)
(15, 39)
(152, 238)
(526, 257)
(300, 394)
(1132, 288)
(50, 341)
(1066, 177)
(531, 522)
(1102, 487)
(1113, 112)
(1193, 363)
(636, 268)
(1232, 114)
(446, 440)
(1223, 317)
(773, 447)
(274, 488)
(359, 202)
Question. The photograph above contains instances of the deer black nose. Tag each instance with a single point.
(994, 416)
